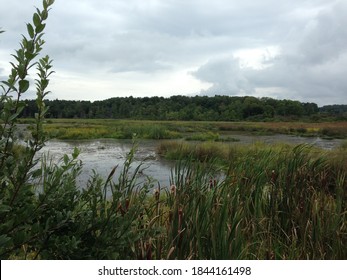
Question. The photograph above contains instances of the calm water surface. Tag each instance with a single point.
(102, 155)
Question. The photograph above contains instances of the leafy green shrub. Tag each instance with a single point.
(19, 210)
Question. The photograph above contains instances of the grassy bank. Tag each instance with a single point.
(192, 130)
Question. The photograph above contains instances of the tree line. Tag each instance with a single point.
(198, 108)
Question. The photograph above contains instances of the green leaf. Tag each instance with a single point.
(14, 116)
(30, 56)
(25, 43)
(11, 86)
(44, 14)
(66, 159)
(19, 55)
(75, 153)
(44, 83)
(50, 2)
(13, 73)
(30, 30)
(23, 85)
(36, 19)
(30, 46)
(45, 5)
(40, 28)
(21, 71)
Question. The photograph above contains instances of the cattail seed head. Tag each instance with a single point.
(157, 194)
(273, 176)
(173, 189)
(127, 203)
(180, 214)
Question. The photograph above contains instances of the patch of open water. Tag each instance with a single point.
(104, 154)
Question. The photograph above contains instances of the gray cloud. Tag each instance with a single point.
(226, 76)
(311, 66)
(2, 74)
(157, 38)
(326, 36)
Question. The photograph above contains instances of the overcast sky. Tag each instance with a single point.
(295, 49)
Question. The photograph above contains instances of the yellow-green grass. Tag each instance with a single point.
(204, 130)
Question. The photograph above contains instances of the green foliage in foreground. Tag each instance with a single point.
(268, 203)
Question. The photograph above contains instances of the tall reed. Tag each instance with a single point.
(273, 204)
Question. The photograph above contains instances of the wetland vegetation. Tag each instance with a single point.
(224, 201)
(190, 130)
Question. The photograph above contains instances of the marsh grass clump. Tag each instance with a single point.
(333, 132)
(207, 136)
(160, 132)
(274, 203)
(116, 130)
(202, 152)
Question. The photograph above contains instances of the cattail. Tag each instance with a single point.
(212, 183)
(127, 203)
(157, 194)
(173, 190)
(180, 214)
(180, 231)
(112, 173)
(273, 177)
(113, 170)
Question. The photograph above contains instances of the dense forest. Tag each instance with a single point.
(198, 108)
